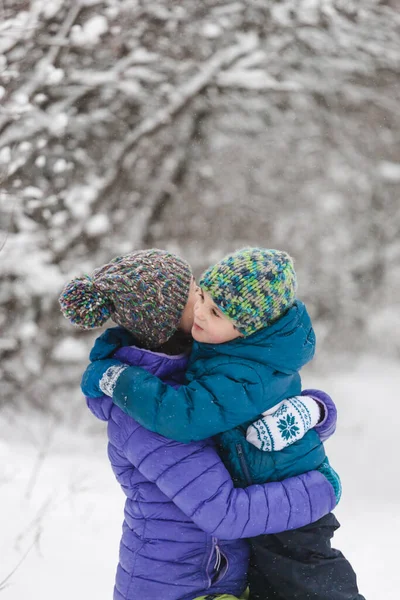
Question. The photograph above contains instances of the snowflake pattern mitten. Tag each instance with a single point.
(284, 423)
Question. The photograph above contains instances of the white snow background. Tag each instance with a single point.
(61, 509)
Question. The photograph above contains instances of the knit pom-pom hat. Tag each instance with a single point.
(253, 287)
(145, 292)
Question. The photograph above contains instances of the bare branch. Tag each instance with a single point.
(41, 71)
(177, 102)
(41, 457)
(5, 583)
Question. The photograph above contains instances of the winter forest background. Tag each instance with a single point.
(198, 127)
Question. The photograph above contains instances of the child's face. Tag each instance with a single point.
(186, 322)
(210, 325)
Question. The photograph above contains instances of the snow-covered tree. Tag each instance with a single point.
(197, 127)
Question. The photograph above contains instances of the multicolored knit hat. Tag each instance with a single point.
(144, 291)
(254, 287)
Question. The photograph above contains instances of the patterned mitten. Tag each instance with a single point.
(101, 377)
(284, 423)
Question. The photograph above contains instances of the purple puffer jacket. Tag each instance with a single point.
(183, 517)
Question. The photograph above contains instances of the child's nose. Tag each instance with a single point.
(198, 311)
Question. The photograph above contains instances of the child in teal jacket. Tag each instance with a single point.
(252, 337)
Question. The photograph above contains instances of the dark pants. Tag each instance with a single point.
(301, 565)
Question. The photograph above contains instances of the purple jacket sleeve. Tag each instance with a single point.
(327, 426)
(195, 479)
(100, 407)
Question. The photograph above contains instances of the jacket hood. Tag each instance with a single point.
(287, 345)
(170, 369)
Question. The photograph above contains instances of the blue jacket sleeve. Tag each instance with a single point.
(195, 479)
(206, 406)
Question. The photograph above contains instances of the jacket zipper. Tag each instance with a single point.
(217, 563)
(210, 576)
(221, 563)
(243, 463)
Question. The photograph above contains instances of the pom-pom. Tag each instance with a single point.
(83, 304)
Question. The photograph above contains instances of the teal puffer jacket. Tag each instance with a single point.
(230, 385)
(277, 353)
(247, 464)
(227, 384)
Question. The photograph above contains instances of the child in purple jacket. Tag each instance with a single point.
(176, 549)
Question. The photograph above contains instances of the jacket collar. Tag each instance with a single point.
(287, 345)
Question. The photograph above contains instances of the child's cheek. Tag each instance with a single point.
(217, 338)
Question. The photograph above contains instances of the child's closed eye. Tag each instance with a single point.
(215, 313)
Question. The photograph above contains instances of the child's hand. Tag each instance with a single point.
(101, 377)
(284, 424)
(109, 341)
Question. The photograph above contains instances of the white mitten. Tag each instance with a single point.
(284, 423)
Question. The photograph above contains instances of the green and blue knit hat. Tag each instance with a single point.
(145, 292)
(253, 287)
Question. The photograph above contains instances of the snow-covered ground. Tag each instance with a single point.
(61, 510)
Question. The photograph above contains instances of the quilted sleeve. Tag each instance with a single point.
(100, 407)
(327, 426)
(205, 407)
(195, 479)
